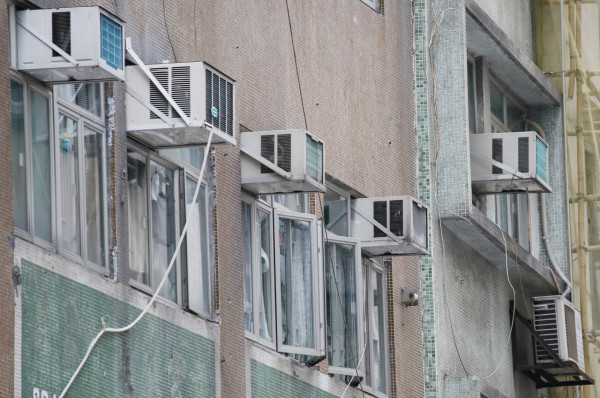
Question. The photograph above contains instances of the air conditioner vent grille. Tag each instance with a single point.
(314, 159)
(181, 89)
(524, 154)
(61, 32)
(571, 333)
(112, 42)
(419, 224)
(546, 324)
(541, 159)
(284, 152)
(396, 217)
(267, 151)
(156, 98)
(380, 214)
(497, 154)
(219, 102)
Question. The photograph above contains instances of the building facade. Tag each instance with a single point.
(269, 293)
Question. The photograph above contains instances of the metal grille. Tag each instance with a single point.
(545, 323)
(267, 151)
(156, 98)
(497, 154)
(396, 217)
(524, 154)
(61, 32)
(541, 159)
(571, 331)
(380, 215)
(284, 152)
(181, 89)
(219, 102)
(314, 159)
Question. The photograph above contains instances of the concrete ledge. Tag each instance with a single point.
(485, 38)
(483, 235)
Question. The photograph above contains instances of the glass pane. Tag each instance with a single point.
(502, 212)
(471, 88)
(263, 235)
(69, 180)
(138, 216)
(42, 185)
(523, 221)
(94, 196)
(497, 102)
(163, 238)
(342, 321)
(514, 217)
(336, 213)
(199, 278)
(377, 333)
(293, 201)
(85, 95)
(513, 115)
(297, 316)
(19, 157)
(191, 155)
(248, 278)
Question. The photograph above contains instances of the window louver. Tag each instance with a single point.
(380, 214)
(156, 98)
(314, 159)
(181, 89)
(497, 154)
(267, 151)
(524, 155)
(219, 102)
(396, 217)
(61, 32)
(541, 159)
(284, 152)
(419, 225)
(546, 325)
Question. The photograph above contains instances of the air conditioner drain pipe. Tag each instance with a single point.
(545, 236)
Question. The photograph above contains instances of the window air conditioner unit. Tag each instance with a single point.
(558, 322)
(205, 95)
(405, 219)
(70, 44)
(509, 163)
(282, 161)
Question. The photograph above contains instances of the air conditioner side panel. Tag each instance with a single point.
(198, 87)
(30, 50)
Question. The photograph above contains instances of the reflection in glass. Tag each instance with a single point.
(94, 158)
(19, 162)
(263, 235)
(138, 210)
(248, 275)
(42, 186)
(69, 181)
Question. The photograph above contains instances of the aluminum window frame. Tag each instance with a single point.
(372, 265)
(84, 119)
(316, 285)
(360, 316)
(256, 205)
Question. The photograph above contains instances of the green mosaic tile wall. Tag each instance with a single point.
(422, 115)
(268, 382)
(154, 359)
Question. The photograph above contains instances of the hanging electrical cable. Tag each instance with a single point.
(105, 328)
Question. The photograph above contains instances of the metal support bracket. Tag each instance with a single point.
(148, 105)
(389, 233)
(502, 166)
(276, 169)
(159, 86)
(48, 43)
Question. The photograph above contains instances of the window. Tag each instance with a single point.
(282, 275)
(160, 193)
(59, 171)
(344, 310)
(375, 328)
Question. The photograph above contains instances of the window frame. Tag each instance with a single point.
(84, 119)
(317, 350)
(256, 205)
(360, 316)
(372, 265)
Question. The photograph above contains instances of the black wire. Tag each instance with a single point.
(167, 29)
(295, 63)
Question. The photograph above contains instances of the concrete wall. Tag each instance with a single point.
(515, 17)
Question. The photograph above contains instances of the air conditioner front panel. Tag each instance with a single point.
(525, 153)
(288, 151)
(82, 27)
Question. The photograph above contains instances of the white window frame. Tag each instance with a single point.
(256, 266)
(317, 350)
(30, 235)
(181, 171)
(84, 119)
(371, 264)
(360, 327)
